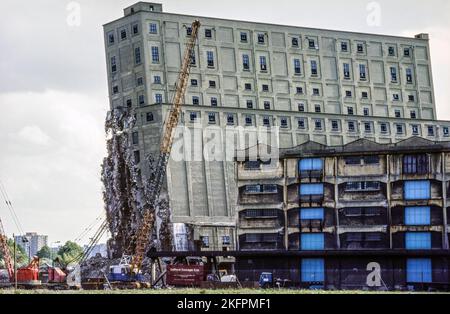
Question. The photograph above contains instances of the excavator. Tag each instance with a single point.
(128, 272)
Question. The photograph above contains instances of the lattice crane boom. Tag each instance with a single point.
(169, 128)
(5, 251)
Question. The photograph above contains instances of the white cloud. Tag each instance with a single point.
(34, 135)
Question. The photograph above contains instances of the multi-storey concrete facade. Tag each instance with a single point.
(327, 86)
(31, 242)
(360, 197)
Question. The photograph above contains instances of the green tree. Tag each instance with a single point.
(68, 253)
(44, 252)
(21, 255)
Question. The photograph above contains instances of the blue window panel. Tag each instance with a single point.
(417, 216)
(418, 241)
(313, 270)
(158, 98)
(417, 190)
(418, 270)
(312, 241)
(309, 164)
(210, 58)
(311, 214)
(311, 189)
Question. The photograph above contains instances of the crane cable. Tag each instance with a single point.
(83, 234)
(10, 206)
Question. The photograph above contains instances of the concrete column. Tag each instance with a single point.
(388, 196)
(336, 201)
(444, 202)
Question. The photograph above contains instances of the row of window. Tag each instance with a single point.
(413, 190)
(319, 124)
(418, 270)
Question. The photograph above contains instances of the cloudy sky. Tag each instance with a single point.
(53, 90)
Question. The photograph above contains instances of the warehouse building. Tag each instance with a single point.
(356, 208)
(330, 87)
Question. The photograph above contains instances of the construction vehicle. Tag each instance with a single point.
(130, 270)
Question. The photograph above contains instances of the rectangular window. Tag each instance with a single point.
(248, 86)
(263, 63)
(313, 270)
(310, 164)
(284, 123)
(312, 214)
(111, 38)
(413, 114)
(245, 62)
(140, 81)
(294, 42)
(418, 241)
(311, 189)
(123, 34)
(141, 99)
(301, 107)
(213, 101)
(226, 240)
(318, 125)
(391, 51)
(248, 120)
(115, 89)
(383, 128)
(397, 114)
(415, 164)
(297, 67)
(208, 33)
(301, 124)
(266, 121)
(360, 48)
(430, 130)
(261, 38)
(419, 270)
(335, 125)
(406, 52)
(135, 138)
(193, 116)
(417, 216)
(212, 117)
(366, 112)
(445, 131)
(344, 46)
(409, 78)
(150, 117)
(417, 190)
(113, 64)
(350, 111)
(312, 241)
(346, 71)
(155, 54)
(210, 58)
(194, 82)
(267, 105)
(129, 103)
(393, 75)
(205, 241)
(362, 72)
(399, 129)
(193, 59)
(299, 90)
(243, 37)
(348, 93)
(313, 68)
(415, 129)
(316, 92)
(362, 186)
(158, 98)
(153, 28)
(351, 126)
(311, 44)
(230, 119)
(156, 79)
(212, 84)
(367, 127)
(249, 104)
(265, 88)
(364, 95)
(195, 100)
